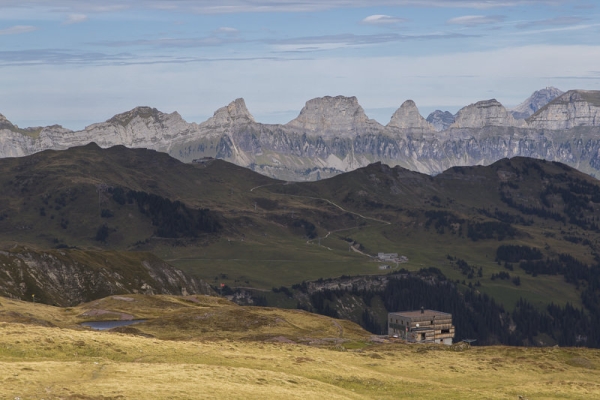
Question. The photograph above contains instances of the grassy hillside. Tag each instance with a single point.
(190, 318)
(228, 225)
(61, 361)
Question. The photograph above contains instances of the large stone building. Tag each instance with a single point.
(421, 326)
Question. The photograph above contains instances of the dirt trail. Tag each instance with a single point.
(335, 205)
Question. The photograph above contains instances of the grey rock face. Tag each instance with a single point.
(484, 113)
(573, 109)
(440, 120)
(225, 118)
(408, 117)
(537, 100)
(60, 279)
(330, 116)
(333, 135)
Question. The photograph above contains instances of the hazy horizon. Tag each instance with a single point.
(77, 63)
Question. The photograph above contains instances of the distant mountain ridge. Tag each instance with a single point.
(333, 135)
(536, 101)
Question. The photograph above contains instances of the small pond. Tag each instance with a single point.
(103, 325)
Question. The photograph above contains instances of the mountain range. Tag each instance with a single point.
(333, 135)
(87, 222)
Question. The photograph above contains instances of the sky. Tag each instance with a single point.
(74, 63)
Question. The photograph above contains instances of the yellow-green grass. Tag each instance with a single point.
(190, 317)
(231, 352)
(52, 363)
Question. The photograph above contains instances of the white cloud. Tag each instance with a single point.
(227, 30)
(476, 20)
(558, 21)
(75, 19)
(382, 20)
(17, 29)
(559, 29)
(60, 93)
(241, 6)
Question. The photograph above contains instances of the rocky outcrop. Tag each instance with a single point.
(333, 135)
(484, 113)
(5, 123)
(537, 100)
(575, 108)
(440, 120)
(141, 127)
(225, 118)
(69, 277)
(333, 116)
(408, 118)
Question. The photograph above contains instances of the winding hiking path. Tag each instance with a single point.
(333, 204)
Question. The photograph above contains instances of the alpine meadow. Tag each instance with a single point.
(299, 199)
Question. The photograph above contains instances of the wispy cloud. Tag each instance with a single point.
(567, 28)
(75, 19)
(17, 29)
(59, 57)
(208, 41)
(588, 6)
(227, 30)
(381, 19)
(558, 21)
(349, 38)
(476, 20)
(47, 57)
(242, 6)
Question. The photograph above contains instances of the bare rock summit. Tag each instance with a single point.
(331, 116)
(537, 100)
(408, 117)
(484, 113)
(235, 113)
(441, 120)
(575, 108)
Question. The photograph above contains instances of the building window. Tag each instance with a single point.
(445, 331)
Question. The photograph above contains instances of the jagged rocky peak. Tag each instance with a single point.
(537, 100)
(234, 113)
(571, 109)
(142, 112)
(408, 117)
(484, 113)
(332, 115)
(441, 120)
(33, 132)
(5, 123)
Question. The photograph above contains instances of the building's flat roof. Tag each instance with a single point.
(417, 313)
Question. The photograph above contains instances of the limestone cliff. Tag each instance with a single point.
(333, 135)
(440, 120)
(408, 118)
(68, 277)
(575, 108)
(226, 118)
(484, 113)
(537, 100)
(333, 116)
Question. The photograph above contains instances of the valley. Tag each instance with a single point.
(299, 199)
(521, 232)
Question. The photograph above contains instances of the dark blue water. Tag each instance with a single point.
(103, 325)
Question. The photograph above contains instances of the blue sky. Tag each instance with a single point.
(78, 62)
